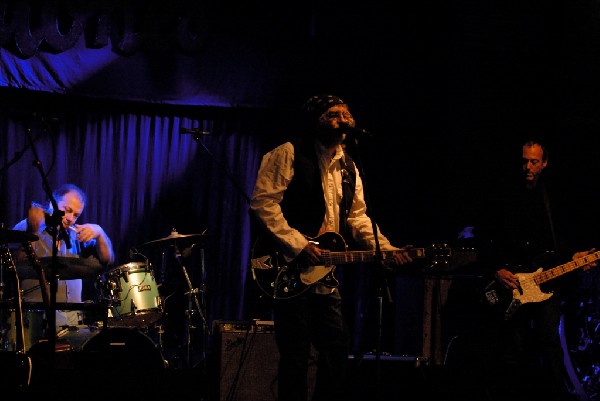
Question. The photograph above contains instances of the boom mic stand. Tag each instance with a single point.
(205, 330)
(55, 222)
(382, 284)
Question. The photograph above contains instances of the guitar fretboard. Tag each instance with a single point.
(336, 258)
(567, 267)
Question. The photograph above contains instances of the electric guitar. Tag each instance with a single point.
(282, 279)
(495, 294)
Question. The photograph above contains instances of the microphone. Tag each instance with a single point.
(357, 132)
(133, 253)
(194, 131)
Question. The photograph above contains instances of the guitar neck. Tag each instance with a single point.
(337, 258)
(557, 271)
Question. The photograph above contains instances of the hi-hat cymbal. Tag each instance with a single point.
(67, 268)
(173, 237)
(7, 236)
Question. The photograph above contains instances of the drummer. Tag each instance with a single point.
(86, 240)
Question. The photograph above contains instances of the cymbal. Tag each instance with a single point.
(173, 237)
(7, 236)
(67, 268)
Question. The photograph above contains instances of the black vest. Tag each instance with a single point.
(303, 203)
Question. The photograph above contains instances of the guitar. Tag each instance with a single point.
(283, 279)
(495, 294)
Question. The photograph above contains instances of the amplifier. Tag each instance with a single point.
(247, 359)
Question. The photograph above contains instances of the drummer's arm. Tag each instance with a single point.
(31, 224)
(104, 248)
(35, 218)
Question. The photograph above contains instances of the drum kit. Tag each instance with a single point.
(130, 303)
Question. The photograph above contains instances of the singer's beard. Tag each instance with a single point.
(330, 137)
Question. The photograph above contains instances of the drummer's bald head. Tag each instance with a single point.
(64, 189)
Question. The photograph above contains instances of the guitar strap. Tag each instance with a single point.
(550, 220)
(348, 187)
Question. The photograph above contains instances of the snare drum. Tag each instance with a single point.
(136, 302)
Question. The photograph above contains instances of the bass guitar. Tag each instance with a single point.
(495, 294)
(282, 279)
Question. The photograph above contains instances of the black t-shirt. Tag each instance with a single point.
(519, 229)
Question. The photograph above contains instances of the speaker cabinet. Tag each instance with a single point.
(247, 361)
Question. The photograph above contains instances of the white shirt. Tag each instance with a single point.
(275, 174)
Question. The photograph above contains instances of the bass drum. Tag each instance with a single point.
(127, 348)
(92, 348)
(90, 357)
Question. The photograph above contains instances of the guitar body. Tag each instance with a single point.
(529, 285)
(509, 301)
(282, 279)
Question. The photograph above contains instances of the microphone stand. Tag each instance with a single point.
(54, 221)
(205, 330)
(382, 284)
(197, 138)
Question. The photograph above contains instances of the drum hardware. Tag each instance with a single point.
(160, 331)
(176, 240)
(5, 257)
(35, 327)
(68, 268)
(16, 236)
(22, 359)
(192, 298)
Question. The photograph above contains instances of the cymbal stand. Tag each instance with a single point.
(192, 296)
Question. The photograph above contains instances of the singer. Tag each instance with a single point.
(306, 190)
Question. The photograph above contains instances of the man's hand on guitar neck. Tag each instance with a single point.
(402, 258)
(579, 255)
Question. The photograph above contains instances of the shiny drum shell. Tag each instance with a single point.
(137, 302)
